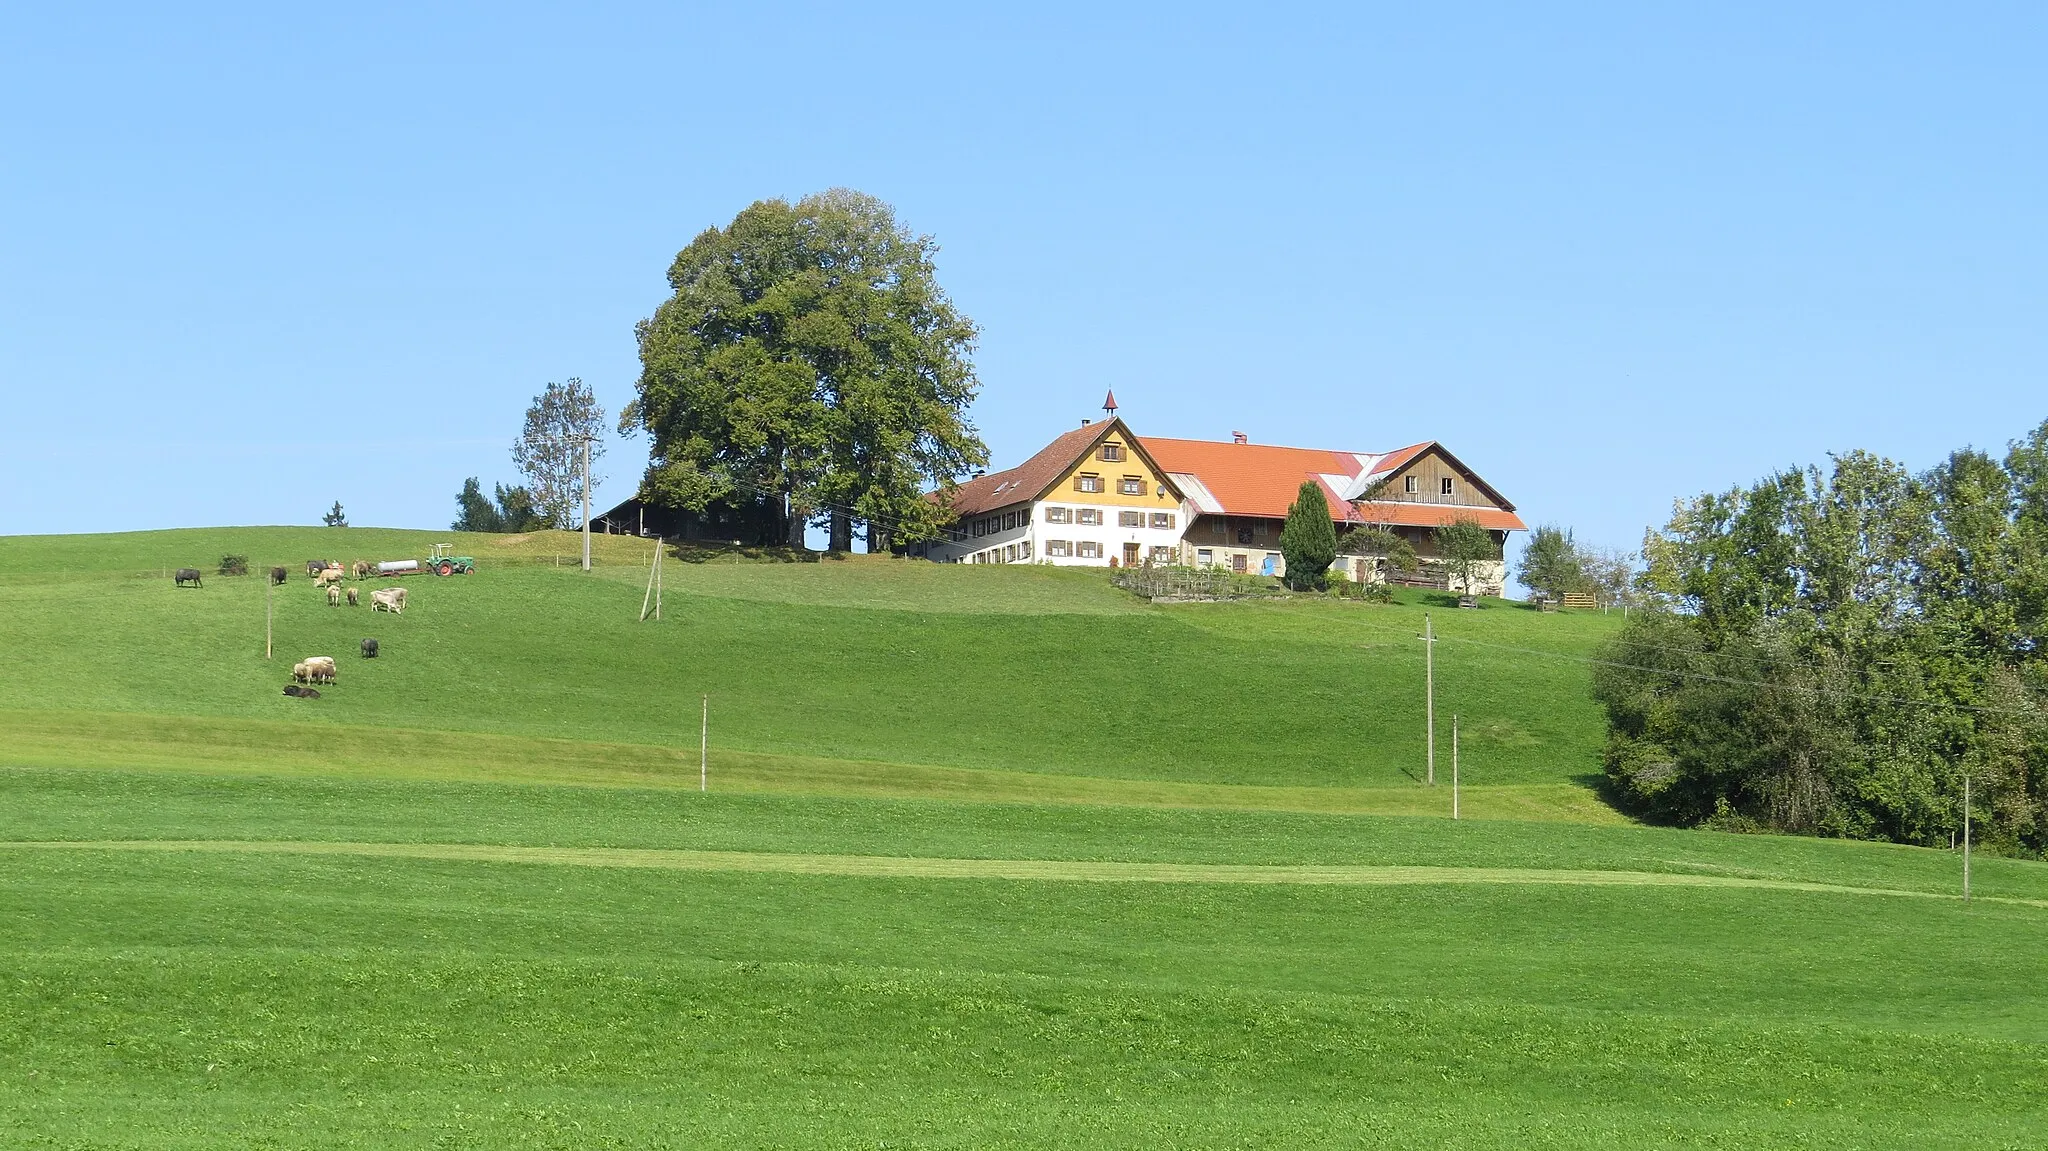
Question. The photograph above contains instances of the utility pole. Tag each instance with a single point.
(1429, 694)
(1966, 837)
(1454, 765)
(586, 503)
(704, 748)
(267, 585)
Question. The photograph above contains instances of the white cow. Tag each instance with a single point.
(391, 599)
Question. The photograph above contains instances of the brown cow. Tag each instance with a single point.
(351, 597)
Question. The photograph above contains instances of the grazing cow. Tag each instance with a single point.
(328, 576)
(315, 567)
(184, 576)
(277, 575)
(301, 673)
(321, 667)
(369, 649)
(391, 599)
(297, 692)
(362, 569)
(351, 596)
(333, 596)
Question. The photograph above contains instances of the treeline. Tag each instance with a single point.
(1830, 651)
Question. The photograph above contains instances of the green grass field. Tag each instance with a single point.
(993, 857)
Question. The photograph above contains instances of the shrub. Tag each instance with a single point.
(234, 565)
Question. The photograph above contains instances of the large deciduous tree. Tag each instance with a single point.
(807, 353)
(550, 449)
(1308, 540)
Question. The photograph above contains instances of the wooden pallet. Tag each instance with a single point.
(1579, 599)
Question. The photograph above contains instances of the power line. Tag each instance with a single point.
(1730, 680)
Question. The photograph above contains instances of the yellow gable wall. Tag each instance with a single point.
(1111, 472)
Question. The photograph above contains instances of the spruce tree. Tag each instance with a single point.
(1308, 541)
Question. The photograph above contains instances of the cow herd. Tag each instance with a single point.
(327, 577)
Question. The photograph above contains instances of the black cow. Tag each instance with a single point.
(297, 692)
(184, 576)
(277, 575)
(369, 649)
(315, 567)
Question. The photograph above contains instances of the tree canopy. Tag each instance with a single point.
(1831, 650)
(561, 419)
(1552, 563)
(1463, 545)
(1308, 540)
(808, 353)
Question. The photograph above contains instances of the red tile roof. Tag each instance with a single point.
(1251, 479)
(1245, 479)
(1437, 515)
(1263, 479)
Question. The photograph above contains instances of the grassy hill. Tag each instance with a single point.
(994, 857)
(1010, 669)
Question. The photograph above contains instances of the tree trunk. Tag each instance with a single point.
(799, 519)
(878, 539)
(839, 537)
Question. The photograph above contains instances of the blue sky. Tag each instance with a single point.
(256, 261)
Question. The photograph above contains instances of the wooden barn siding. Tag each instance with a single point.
(1429, 472)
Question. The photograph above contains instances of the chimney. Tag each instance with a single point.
(1239, 438)
(1085, 421)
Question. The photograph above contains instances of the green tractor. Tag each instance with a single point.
(441, 563)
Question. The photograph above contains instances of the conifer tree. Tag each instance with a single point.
(1308, 541)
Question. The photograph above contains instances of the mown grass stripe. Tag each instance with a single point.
(1052, 870)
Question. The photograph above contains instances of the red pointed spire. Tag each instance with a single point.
(1109, 402)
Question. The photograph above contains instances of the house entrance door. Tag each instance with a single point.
(1130, 555)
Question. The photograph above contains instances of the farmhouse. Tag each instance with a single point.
(1101, 495)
